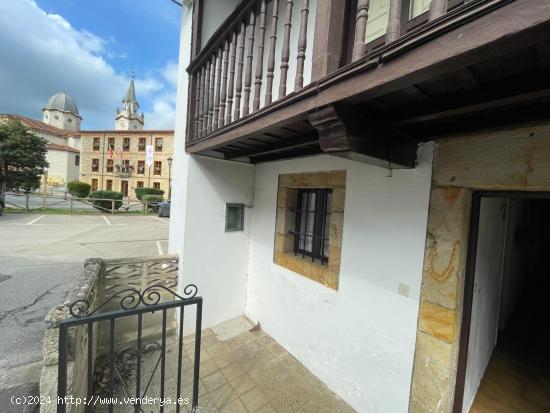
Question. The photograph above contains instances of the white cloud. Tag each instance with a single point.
(43, 54)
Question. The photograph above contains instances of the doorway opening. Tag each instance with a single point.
(504, 356)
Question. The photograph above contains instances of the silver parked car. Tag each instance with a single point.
(164, 209)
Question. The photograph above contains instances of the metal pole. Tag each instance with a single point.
(112, 206)
(169, 182)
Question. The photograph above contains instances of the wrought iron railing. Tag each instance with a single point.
(108, 288)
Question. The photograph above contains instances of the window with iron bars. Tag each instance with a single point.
(141, 144)
(312, 223)
(96, 144)
(126, 144)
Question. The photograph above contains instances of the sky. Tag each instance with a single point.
(89, 48)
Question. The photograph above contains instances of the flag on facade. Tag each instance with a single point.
(149, 155)
(110, 152)
(122, 154)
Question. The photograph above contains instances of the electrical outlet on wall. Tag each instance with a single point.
(403, 289)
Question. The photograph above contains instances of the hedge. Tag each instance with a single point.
(106, 196)
(79, 189)
(141, 192)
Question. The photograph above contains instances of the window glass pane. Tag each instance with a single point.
(234, 217)
(377, 24)
(418, 7)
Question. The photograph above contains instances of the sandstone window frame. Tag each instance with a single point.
(283, 253)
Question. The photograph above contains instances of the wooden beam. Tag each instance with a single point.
(342, 131)
(291, 144)
(477, 108)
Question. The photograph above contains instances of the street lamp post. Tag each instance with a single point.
(169, 178)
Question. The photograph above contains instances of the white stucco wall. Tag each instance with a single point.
(179, 164)
(360, 339)
(215, 260)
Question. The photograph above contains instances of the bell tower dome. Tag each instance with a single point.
(61, 112)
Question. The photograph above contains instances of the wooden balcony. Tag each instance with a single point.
(259, 92)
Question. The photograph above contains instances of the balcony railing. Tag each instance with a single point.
(224, 87)
(124, 171)
(244, 68)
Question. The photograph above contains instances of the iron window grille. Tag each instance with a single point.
(126, 144)
(95, 165)
(158, 168)
(312, 223)
(141, 145)
(110, 165)
(141, 167)
(96, 144)
(158, 144)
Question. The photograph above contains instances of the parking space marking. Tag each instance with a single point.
(36, 220)
(159, 248)
(106, 220)
(161, 220)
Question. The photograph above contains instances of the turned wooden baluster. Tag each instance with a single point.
(248, 71)
(206, 97)
(197, 82)
(302, 44)
(271, 61)
(231, 82)
(285, 54)
(218, 87)
(211, 94)
(394, 21)
(437, 9)
(201, 104)
(239, 85)
(260, 57)
(359, 46)
(223, 96)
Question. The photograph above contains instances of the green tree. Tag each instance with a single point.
(22, 157)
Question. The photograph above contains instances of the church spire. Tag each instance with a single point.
(131, 94)
(128, 118)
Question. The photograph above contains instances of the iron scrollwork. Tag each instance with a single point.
(131, 298)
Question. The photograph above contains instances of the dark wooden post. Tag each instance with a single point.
(302, 44)
(239, 85)
(328, 37)
(231, 83)
(271, 61)
(260, 62)
(285, 54)
(359, 46)
(218, 87)
(249, 57)
(437, 9)
(223, 95)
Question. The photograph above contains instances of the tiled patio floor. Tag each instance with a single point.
(244, 371)
(240, 372)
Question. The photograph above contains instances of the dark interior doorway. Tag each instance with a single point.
(504, 357)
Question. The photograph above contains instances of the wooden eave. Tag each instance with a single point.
(467, 35)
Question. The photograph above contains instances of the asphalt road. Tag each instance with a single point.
(41, 258)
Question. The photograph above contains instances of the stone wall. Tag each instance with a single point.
(89, 288)
(505, 159)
